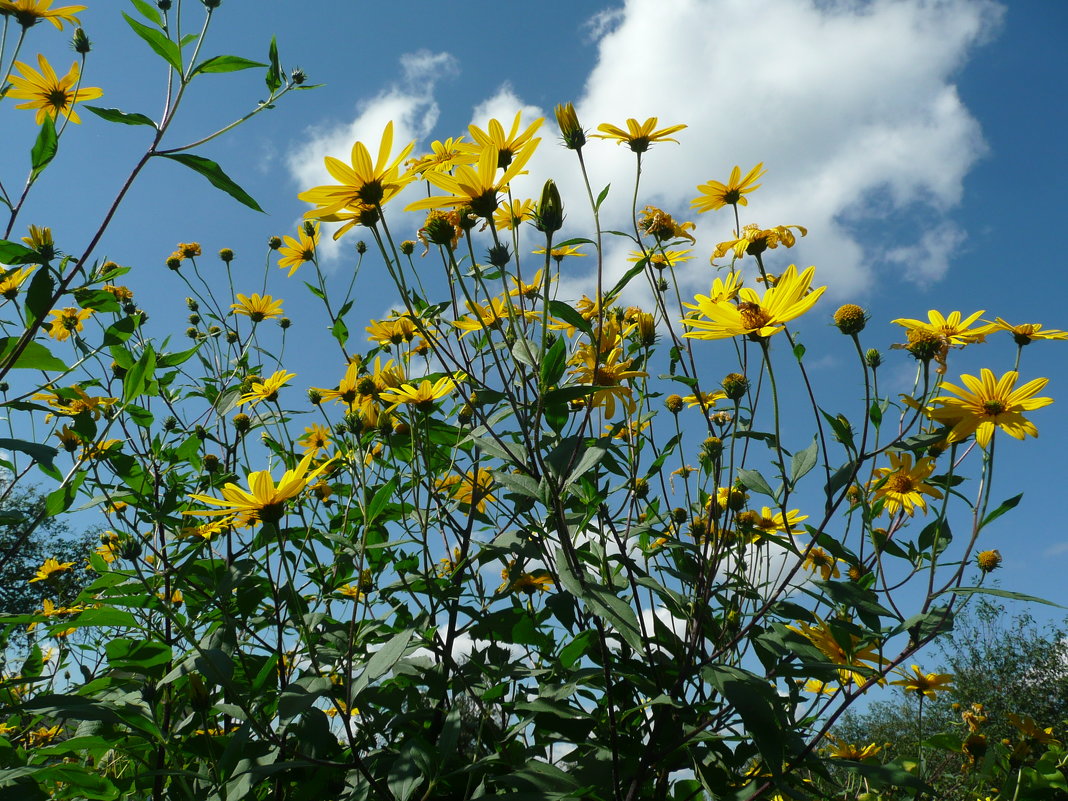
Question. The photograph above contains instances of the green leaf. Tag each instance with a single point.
(577, 648)
(382, 661)
(889, 775)
(754, 481)
(525, 352)
(136, 655)
(803, 461)
(42, 454)
(521, 485)
(119, 331)
(340, 331)
(568, 314)
(61, 499)
(1016, 596)
(274, 70)
(155, 39)
(225, 64)
(150, 12)
(799, 351)
(875, 414)
(1011, 503)
(44, 149)
(137, 377)
(843, 431)
(380, 499)
(601, 197)
(123, 117)
(35, 357)
(622, 282)
(214, 173)
(15, 253)
(39, 295)
(756, 702)
(174, 359)
(552, 369)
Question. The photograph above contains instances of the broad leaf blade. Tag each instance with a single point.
(214, 173)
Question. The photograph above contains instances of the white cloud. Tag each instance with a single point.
(850, 105)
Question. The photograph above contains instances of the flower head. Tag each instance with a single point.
(902, 485)
(361, 183)
(987, 404)
(856, 661)
(29, 12)
(67, 321)
(1026, 333)
(754, 316)
(507, 145)
(476, 186)
(263, 500)
(14, 279)
(316, 438)
(927, 685)
(51, 567)
(257, 307)
(267, 389)
(715, 195)
(443, 156)
(294, 253)
(472, 489)
(638, 136)
(954, 328)
(48, 93)
(422, 397)
(754, 240)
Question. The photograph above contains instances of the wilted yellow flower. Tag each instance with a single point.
(754, 240)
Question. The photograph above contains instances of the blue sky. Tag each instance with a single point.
(920, 142)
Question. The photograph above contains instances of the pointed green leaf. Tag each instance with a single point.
(274, 70)
(622, 282)
(568, 314)
(226, 64)
(124, 117)
(803, 461)
(44, 149)
(149, 11)
(155, 39)
(1016, 596)
(1011, 503)
(12, 253)
(601, 197)
(214, 173)
(136, 379)
(39, 295)
(42, 454)
(754, 481)
(34, 357)
(552, 369)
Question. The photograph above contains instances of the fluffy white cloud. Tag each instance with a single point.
(851, 105)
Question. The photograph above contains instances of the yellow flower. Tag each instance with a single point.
(989, 403)
(316, 438)
(704, 400)
(44, 735)
(854, 662)
(266, 390)
(51, 567)
(1031, 730)
(475, 187)
(263, 499)
(660, 225)
(754, 240)
(953, 328)
(73, 401)
(29, 12)
(422, 397)
(489, 316)
(770, 522)
(392, 331)
(843, 750)
(47, 93)
(638, 137)
(361, 183)
(508, 217)
(715, 195)
(754, 316)
(661, 259)
(294, 253)
(257, 307)
(508, 145)
(607, 373)
(1023, 334)
(443, 157)
(13, 281)
(927, 685)
(531, 290)
(470, 489)
(902, 486)
(66, 321)
(827, 565)
(559, 253)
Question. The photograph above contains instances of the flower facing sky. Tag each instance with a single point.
(715, 195)
(48, 93)
(267, 389)
(362, 182)
(262, 500)
(904, 485)
(753, 315)
(926, 685)
(29, 12)
(295, 252)
(477, 186)
(987, 404)
(51, 567)
(257, 307)
(638, 136)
